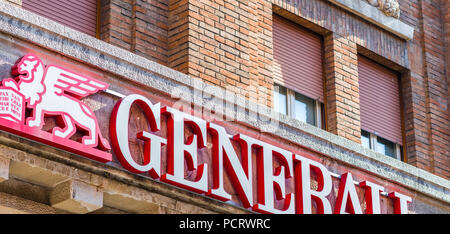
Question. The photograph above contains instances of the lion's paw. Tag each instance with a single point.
(33, 123)
(11, 84)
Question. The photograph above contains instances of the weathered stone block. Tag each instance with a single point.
(76, 197)
(34, 174)
(4, 169)
(128, 203)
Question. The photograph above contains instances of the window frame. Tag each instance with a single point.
(373, 140)
(290, 105)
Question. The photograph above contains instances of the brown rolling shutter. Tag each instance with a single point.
(297, 56)
(379, 100)
(77, 14)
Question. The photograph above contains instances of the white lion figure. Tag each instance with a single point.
(56, 91)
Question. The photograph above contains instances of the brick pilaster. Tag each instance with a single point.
(430, 94)
(227, 43)
(138, 26)
(342, 89)
(178, 35)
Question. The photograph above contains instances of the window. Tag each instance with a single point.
(297, 55)
(381, 145)
(298, 106)
(298, 72)
(379, 90)
(80, 15)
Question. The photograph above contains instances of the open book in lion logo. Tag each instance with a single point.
(52, 91)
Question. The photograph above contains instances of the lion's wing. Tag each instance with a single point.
(61, 80)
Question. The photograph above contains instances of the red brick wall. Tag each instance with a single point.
(341, 87)
(446, 20)
(115, 26)
(228, 43)
(223, 42)
(178, 35)
(426, 94)
(137, 25)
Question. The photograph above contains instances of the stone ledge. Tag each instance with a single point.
(129, 203)
(76, 197)
(4, 169)
(35, 173)
(10, 204)
(364, 10)
(374, 15)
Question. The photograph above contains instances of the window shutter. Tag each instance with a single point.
(297, 58)
(77, 14)
(379, 100)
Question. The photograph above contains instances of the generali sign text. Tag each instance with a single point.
(52, 90)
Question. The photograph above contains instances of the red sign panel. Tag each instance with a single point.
(37, 90)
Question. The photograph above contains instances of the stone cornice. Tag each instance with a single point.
(384, 13)
(388, 7)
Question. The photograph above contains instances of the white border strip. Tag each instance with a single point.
(114, 93)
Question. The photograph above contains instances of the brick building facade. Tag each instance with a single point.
(229, 44)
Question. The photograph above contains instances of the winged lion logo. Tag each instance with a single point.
(53, 90)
